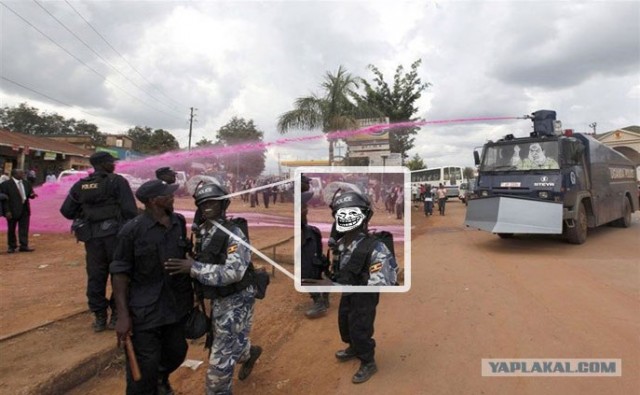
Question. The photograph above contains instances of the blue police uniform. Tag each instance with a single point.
(232, 315)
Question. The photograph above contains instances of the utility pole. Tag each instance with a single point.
(279, 166)
(384, 162)
(190, 126)
(593, 126)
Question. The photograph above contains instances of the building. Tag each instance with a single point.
(42, 154)
(119, 141)
(118, 145)
(370, 149)
(82, 141)
(625, 140)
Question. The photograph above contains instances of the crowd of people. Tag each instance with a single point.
(430, 196)
(157, 273)
(34, 176)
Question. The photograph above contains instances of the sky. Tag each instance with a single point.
(120, 64)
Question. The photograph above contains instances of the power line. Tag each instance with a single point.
(86, 65)
(49, 97)
(119, 54)
(98, 55)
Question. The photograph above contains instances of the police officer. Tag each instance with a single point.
(356, 314)
(313, 262)
(223, 267)
(152, 304)
(99, 205)
(166, 174)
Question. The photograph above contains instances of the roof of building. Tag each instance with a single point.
(16, 139)
(634, 130)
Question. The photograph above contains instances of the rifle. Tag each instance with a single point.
(133, 362)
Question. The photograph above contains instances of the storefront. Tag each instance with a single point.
(41, 154)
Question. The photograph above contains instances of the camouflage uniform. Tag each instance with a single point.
(383, 269)
(232, 316)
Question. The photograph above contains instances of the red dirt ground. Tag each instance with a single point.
(473, 296)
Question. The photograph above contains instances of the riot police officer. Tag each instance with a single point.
(99, 205)
(359, 260)
(223, 268)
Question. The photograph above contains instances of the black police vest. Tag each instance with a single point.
(356, 270)
(97, 203)
(215, 253)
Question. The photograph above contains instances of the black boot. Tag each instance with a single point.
(365, 372)
(100, 323)
(325, 298)
(164, 388)
(318, 309)
(346, 354)
(247, 367)
(112, 320)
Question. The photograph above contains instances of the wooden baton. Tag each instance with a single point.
(133, 362)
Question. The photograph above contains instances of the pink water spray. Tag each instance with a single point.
(46, 217)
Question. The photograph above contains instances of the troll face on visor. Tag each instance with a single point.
(349, 218)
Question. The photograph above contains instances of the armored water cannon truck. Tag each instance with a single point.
(551, 182)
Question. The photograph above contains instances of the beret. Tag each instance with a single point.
(101, 157)
(164, 170)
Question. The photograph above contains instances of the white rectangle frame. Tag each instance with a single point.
(406, 286)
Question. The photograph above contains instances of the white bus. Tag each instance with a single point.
(449, 176)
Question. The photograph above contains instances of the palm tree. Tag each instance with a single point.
(333, 111)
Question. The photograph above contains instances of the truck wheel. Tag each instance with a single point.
(625, 220)
(505, 235)
(578, 234)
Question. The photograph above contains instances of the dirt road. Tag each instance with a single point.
(473, 296)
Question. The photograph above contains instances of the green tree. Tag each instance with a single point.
(148, 141)
(398, 102)
(416, 163)
(334, 110)
(23, 119)
(241, 131)
(26, 119)
(204, 142)
(468, 173)
(84, 128)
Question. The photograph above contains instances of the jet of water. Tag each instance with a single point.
(46, 217)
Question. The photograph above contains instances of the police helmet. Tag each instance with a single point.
(211, 191)
(351, 199)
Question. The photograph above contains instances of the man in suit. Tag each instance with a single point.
(17, 210)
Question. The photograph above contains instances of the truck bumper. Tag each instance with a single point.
(513, 215)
